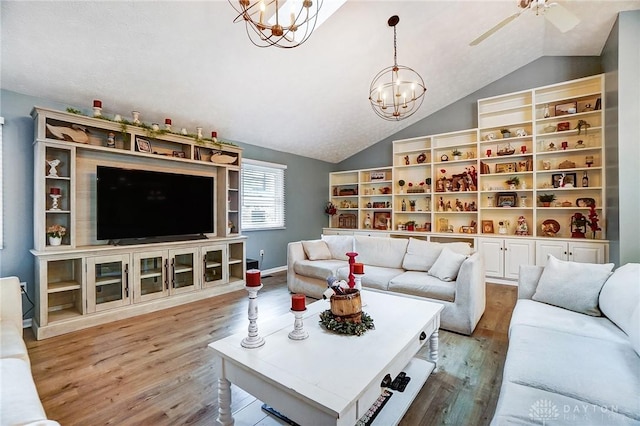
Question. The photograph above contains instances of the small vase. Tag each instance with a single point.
(55, 241)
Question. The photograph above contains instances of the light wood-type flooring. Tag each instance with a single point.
(156, 369)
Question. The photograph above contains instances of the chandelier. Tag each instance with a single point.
(269, 23)
(396, 92)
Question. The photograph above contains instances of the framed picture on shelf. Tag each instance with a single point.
(506, 167)
(506, 199)
(566, 108)
(380, 220)
(143, 145)
(487, 227)
(179, 154)
(560, 180)
(373, 176)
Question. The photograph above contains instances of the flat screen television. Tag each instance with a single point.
(137, 204)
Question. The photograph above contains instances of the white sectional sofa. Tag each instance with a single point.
(574, 347)
(453, 277)
(19, 401)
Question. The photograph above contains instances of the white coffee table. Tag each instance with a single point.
(332, 379)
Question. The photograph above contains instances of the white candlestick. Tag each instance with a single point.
(298, 333)
(253, 340)
(358, 286)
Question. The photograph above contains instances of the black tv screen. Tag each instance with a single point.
(145, 204)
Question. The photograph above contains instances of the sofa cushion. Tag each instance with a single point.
(339, 245)
(321, 269)
(385, 252)
(597, 372)
(572, 285)
(526, 405)
(11, 343)
(634, 332)
(19, 401)
(424, 285)
(620, 296)
(316, 250)
(374, 277)
(447, 265)
(421, 255)
(537, 314)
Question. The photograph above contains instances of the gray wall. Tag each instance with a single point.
(463, 114)
(621, 62)
(306, 193)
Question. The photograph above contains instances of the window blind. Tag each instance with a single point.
(263, 195)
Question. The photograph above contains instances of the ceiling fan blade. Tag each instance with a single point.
(561, 17)
(494, 29)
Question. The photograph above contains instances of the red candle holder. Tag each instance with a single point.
(488, 153)
(352, 259)
(253, 278)
(565, 144)
(523, 149)
(298, 302)
(167, 121)
(55, 191)
(97, 103)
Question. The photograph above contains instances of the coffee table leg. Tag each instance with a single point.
(224, 402)
(433, 350)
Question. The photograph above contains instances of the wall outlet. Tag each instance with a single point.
(261, 253)
(23, 286)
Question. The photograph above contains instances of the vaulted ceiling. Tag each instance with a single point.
(190, 62)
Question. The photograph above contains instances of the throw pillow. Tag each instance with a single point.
(572, 285)
(316, 250)
(447, 265)
(421, 255)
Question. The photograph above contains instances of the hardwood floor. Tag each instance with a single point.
(156, 368)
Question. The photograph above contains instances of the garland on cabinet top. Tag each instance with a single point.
(152, 130)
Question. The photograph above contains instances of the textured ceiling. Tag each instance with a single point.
(188, 61)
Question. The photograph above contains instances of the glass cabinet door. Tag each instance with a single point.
(150, 275)
(182, 270)
(213, 271)
(108, 282)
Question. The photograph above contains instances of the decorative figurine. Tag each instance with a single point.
(136, 117)
(111, 140)
(503, 226)
(522, 228)
(578, 225)
(52, 167)
(367, 222)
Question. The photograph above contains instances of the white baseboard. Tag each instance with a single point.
(274, 270)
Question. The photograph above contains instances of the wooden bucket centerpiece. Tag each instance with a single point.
(347, 307)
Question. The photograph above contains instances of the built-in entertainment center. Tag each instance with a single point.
(150, 220)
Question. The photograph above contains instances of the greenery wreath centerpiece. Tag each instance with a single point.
(338, 325)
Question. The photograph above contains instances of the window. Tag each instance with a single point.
(263, 201)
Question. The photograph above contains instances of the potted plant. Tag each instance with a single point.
(513, 182)
(546, 199)
(410, 225)
(506, 133)
(456, 154)
(55, 234)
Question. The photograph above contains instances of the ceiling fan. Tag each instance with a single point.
(557, 14)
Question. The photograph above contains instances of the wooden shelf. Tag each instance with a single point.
(63, 286)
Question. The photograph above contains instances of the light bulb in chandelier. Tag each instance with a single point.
(396, 81)
(268, 23)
